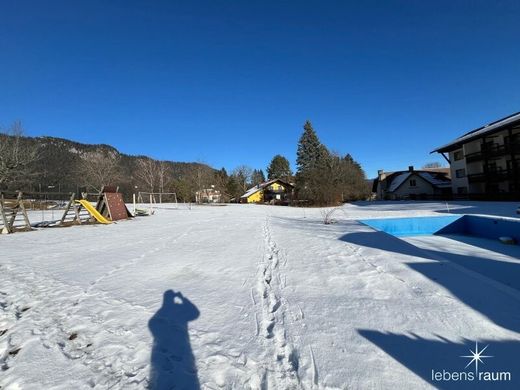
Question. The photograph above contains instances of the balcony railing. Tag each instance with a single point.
(278, 191)
(494, 151)
(495, 175)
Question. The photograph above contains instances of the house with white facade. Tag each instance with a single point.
(430, 183)
(208, 195)
(485, 162)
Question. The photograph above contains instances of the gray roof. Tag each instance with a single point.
(396, 179)
(488, 129)
(436, 179)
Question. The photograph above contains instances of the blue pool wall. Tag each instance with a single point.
(414, 226)
(483, 226)
(471, 225)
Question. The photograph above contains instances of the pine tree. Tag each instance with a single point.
(311, 154)
(308, 149)
(257, 177)
(279, 168)
(233, 188)
(325, 178)
(220, 182)
(222, 173)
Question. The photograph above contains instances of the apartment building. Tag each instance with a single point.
(485, 162)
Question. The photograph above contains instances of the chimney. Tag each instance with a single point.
(410, 168)
(381, 175)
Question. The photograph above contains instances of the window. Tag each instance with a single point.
(458, 155)
(413, 183)
(511, 140)
(460, 173)
(462, 190)
(491, 166)
(488, 146)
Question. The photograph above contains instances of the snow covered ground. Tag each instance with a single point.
(256, 297)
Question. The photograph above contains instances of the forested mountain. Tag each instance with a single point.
(48, 164)
(60, 165)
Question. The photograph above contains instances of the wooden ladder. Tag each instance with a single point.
(75, 214)
(13, 216)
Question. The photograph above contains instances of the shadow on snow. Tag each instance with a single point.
(172, 362)
(421, 356)
(504, 209)
(487, 297)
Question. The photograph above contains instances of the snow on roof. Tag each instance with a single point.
(251, 191)
(398, 180)
(438, 180)
(261, 186)
(480, 132)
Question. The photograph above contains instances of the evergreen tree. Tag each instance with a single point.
(308, 149)
(325, 178)
(324, 157)
(221, 182)
(183, 189)
(310, 153)
(222, 173)
(279, 168)
(257, 177)
(234, 189)
(261, 175)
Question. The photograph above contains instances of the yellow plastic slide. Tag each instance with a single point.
(92, 211)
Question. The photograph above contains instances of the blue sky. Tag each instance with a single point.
(232, 82)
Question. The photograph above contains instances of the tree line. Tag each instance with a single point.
(48, 164)
(322, 177)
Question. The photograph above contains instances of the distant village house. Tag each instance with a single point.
(208, 195)
(274, 191)
(430, 183)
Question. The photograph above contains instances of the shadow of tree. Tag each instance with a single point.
(172, 361)
(422, 355)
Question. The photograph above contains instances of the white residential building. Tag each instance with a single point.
(208, 195)
(424, 184)
(485, 162)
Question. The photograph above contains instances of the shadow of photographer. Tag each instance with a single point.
(172, 361)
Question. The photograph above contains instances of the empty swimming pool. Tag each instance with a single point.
(470, 241)
(469, 225)
(414, 226)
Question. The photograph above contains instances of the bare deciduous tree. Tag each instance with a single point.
(17, 158)
(328, 213)
(242, 176)
(99, 168)
(163, 176)
(163, 171)
(433, 164)
(147, 172)
(201, 176)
